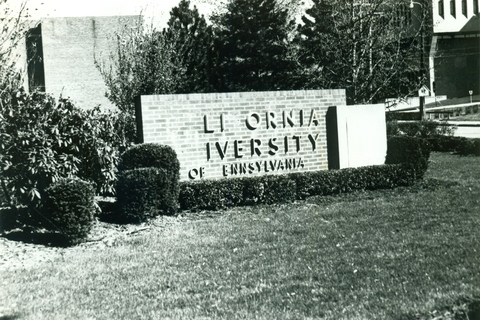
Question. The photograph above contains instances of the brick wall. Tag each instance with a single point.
(220, 135)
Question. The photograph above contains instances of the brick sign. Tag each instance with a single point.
(222, 135)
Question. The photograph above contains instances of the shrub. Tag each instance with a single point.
(460, 145)
(148, 155)
(309, 183)
(409, 151)
(468, 147)
(43, 141)
(351, 179)
(107, 134)
(218, 194)
(419, 129)
(147, 182)
(278, 189)
(145, 193)
(439, 136)
(68, 207)
(210, 194)
(268, 189)
(444, 143)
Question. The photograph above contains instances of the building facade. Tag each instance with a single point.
(61, 52)
(454, 59)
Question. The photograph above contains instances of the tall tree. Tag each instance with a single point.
(316, 39)
(193, 40)
(367, 47)
(252, 41)
(14, 23)
(145, 61)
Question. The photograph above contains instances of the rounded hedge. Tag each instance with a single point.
(409, 151)
(68, 206)
(460, 145)
(148, 182)
(224, 193)
(145, 193)
(149, 155)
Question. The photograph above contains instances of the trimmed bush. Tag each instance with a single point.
(219, 194)
(444, 143)
(352, 179)
(460, 145)
(149, 155)
(269, 189)
(311, 183)
(409, 151)
(419, 129)
(147, 183)
(145, 193)
(68, 207)
(439, 136)
(211, 194)
(468, 147)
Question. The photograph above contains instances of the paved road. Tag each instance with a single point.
(468, 129)
(468, 132)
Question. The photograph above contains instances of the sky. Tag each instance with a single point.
(157, 10)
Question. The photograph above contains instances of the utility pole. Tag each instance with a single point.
(422, 53)
(422, 59)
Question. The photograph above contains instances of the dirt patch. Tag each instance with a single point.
(20, 249)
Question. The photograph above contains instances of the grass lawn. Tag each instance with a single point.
(408, 253)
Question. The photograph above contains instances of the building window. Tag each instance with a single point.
(440, 9)
(464, 7)
(452, 8)
(36, 72)
(475, 6)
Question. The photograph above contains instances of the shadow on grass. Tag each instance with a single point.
(49, 239)
(9, 317)
(11, 219)
(108, 208)
(462, 310)
(19, 225)
(108, 213)
(474, 310)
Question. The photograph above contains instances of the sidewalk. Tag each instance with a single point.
(464, 123)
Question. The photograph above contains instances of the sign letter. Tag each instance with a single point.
(253, 126)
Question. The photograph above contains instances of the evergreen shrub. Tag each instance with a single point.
(147, 183)
(269, 189)
(459, 145)
(68, 207)
(351, 179)
(145, 193)
(211, 194)
(439, 135)
(149, 155)
(468, 147)
(219, 194)
(419, 129)
(409, 151)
